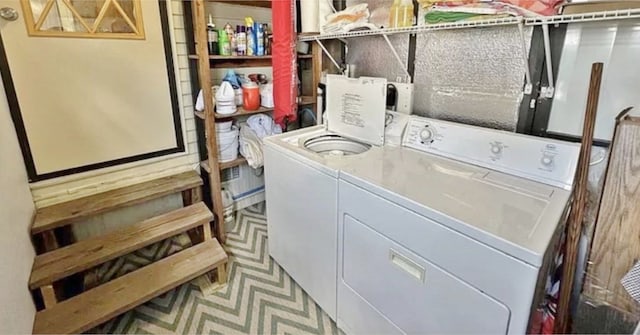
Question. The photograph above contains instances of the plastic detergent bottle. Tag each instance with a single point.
(393, 14)
(224, 44)
(250, 96)
(405, 14)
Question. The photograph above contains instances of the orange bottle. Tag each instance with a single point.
(250, 96)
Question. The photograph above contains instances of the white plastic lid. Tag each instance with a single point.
(356, 107)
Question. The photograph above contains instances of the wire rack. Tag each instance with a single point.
(542, 20)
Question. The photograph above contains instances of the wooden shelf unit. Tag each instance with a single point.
(236, 61)
(241, 112)
(306, 100)
(202, 63)
(251, 3)
(224, 165)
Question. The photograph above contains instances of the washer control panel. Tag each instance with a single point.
(544, 160)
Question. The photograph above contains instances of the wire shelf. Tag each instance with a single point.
(532, 21)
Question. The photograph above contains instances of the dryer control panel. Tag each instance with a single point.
(544, 160)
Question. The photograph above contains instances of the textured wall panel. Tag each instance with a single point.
(473, 76)
(372, 56)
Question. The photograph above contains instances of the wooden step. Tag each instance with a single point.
(60, 263)
(63, 213)
(104, 302)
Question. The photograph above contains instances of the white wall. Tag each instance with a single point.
(617, 45)
(16, 212)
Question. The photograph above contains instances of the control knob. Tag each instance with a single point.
(496, 148)
(426, 135)
(547, 160)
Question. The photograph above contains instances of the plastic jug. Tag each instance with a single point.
(394, 14)
(405, 14)
(250, 96)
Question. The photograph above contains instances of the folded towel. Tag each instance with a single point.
(263, 125)
(251, 147)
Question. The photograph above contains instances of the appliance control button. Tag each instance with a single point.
(496, 148)
(426, 135)
(547, 160)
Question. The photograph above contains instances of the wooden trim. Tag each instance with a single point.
(137, 12)
(574, 224)
(316, 53)
(77, 15)
(251, 3)
(33, 28)
(125, 16)
(206, 230)
(190, 197)
(49, 241)
(49, 296)
(236, 162)
(43, 15)
(100, 16)
(204, 73)
(222, 274)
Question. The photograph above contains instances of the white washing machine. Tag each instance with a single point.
(301, 181)
(451, 232)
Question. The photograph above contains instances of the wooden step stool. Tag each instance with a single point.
(95, 306)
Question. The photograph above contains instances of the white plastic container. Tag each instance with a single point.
(228, 212)
(238, 96)
(224, 126)
(225, 99)
(228, 144)
(266, 95)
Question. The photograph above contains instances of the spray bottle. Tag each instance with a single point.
(251, 37)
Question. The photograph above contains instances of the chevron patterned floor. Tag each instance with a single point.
(259, 299)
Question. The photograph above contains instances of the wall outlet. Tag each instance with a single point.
(405, 97)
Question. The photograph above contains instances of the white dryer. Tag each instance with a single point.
(301, 183)
(451, 232)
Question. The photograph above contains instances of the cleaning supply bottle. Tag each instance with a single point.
(212, 37)
(259, 39)
(233, 41)
(393, 14)
(250, 96)
(405, 13)
(241, 39)
(224, 44)
(265, 38)
(251, 37)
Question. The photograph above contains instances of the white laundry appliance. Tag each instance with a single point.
(451, 232)
(301, 180)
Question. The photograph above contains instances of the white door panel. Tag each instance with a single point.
(87, 101)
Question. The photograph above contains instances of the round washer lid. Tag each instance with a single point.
(335, 145)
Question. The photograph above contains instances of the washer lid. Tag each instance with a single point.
(356, 107)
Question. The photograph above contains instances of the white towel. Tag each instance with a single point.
(251, 134)
(263, 125)
(251, 147)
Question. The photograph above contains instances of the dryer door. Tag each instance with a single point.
(385, 286)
